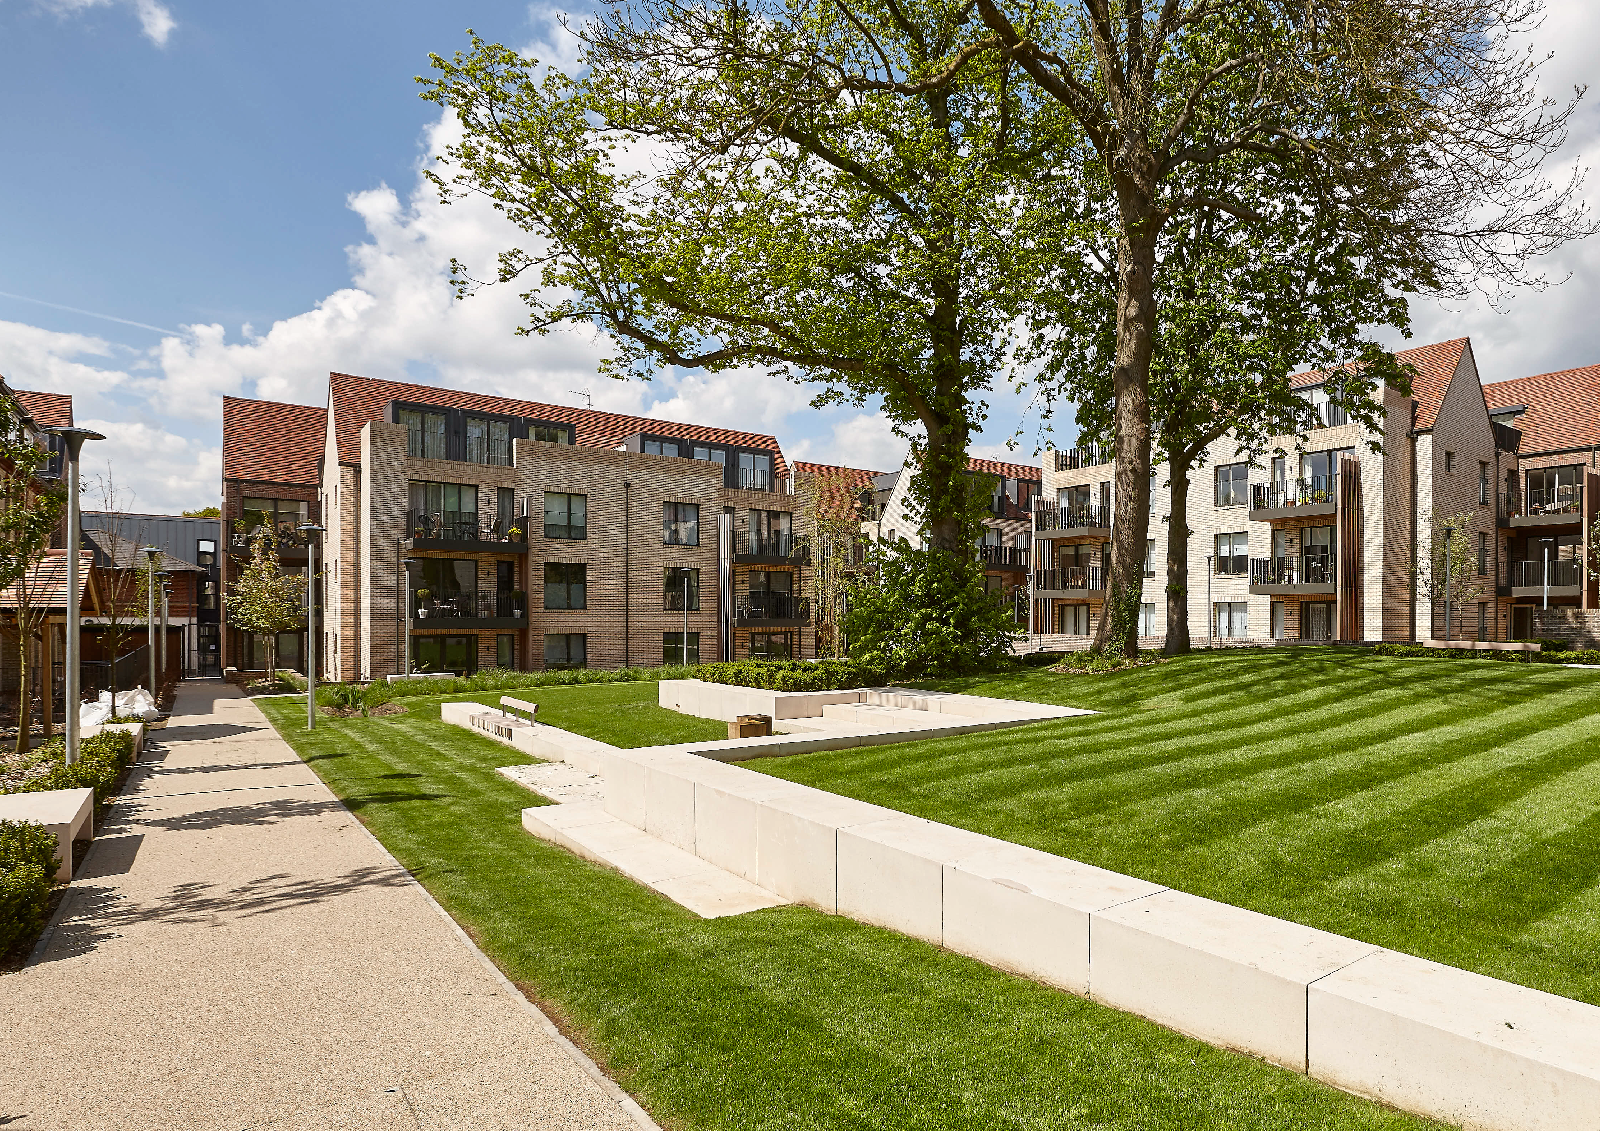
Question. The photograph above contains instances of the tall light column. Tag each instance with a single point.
(73, 438)
(312, 532)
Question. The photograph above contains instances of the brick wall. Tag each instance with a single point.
(1582, 626)
(234, 492)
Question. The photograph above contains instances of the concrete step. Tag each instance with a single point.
(587, 830)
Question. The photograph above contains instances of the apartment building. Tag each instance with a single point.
(1547, 500)
(190, 555)
(271, 480)
(887, 514)
(538, 536)
(1325, 538)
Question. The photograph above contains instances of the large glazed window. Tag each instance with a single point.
(680, 524)
(755, 471)
(677, 586)
(1233, 484)
(566, 515)
(566, 650)
(424, 434)
(488, 441)
(566, 585)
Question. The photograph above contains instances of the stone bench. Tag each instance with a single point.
(1484, 645)
(67, 813)
(532, 709)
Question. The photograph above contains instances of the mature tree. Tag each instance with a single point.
(30, 512)
(810, 188)
(267, 599)
(1412, 128)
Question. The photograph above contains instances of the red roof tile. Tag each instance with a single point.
(1563, 408)
(271, 442)
(48, 410)
(357, 400)
(838, 487)
(1008, 470)
(1435, 365)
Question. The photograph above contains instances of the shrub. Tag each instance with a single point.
(1041, 659)
(101, 761)
(350, 695)
(1564, 655)
(1098, 663)
(27, 860)
(796, 675)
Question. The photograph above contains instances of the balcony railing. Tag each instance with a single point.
(288, 536)
(494, 453)
(1072, 577)
(755, 479)
(484, 604)
(1291, 571)
(1093, 456)
(1016, 556)
(771, 606)
(790, 547)
(1564, 499)
(1049, 516)
(1530, 575)
(462, 526)
(1299, 493)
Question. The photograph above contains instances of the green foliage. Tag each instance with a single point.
(101, 760)
(24, 895)
(204, 512)
(266, 599)
(919, 612)
(1563, 654)
(489, 679)
(1099, 663)
(796, 675)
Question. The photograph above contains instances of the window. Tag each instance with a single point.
(206, 597)
(755, 471)
(1150, 558)
(675, 585)
(1483, 554)
(1279, 631)
(1483, 621)
(1316, 620)
(1233, 484)
(566, 585)
(505, 576)
(771, 645)
(1483, 483)
(1327, 412)
(1449, 462)
(1233, 554)
(445, 587)
(443, 510)
(457, 654)
(1073, 620)
(771, 533)
(714, 455)
(424, 434)
(256, 649)
(680, 524)
(550, 433)
(505, 652)
(566, 650)
(565, 515)
(205, 553)
(1317, 554)
(660, 447)
(1147, 619)
(505, 508)
(282, 516)
(672, 648)
(488, 441)
(1551, 490)
(1232, 620)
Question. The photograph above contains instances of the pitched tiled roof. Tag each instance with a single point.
(45, 583)
(48, 410)
(357, 400)
(838, 487)
(1008, 470)
(1435, 365)
(271, 442)
(125, 553)
(1563, 408)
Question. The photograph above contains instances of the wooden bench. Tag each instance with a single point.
(531, 709)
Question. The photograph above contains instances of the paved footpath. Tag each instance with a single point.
(237, 952)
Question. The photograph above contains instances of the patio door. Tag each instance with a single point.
(1521, 622)
(1316, 620)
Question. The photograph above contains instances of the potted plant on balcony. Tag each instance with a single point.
(515, 533)
(518, 602)
(422, 608)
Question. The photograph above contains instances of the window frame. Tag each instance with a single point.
(674, 523)
(768, 635)
(566, 638)
(672, 589)
(572, 580)
(1238, 489)
(565, 531)
(668, 644)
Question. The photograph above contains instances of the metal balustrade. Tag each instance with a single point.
(1530, 575)
(1074, 459)
(1292, 571)
(771, 606)
(1072, 577)
(462, 526)
(483, 604)
(1004, 556)
(791, 547)
(1050, 516)
(1299, 493)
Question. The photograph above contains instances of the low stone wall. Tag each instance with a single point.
(1581, 626)
(727, 701)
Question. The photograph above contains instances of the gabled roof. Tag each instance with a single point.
(45, 584)
(125, 553)
(272, 442)
(1008, 470)
(1563, 409)
(357, 400)
(1435, 365)
(837, 487)
(48, 410)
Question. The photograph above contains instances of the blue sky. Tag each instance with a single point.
(242, 181)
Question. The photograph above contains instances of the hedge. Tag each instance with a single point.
(490, 679)
(101, 760)
(27, 861)
(1546, 655)
(794, 675)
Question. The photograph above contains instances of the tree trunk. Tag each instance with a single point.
(1178, 465)
(24, 693)
(1118, 630)
(272, 657)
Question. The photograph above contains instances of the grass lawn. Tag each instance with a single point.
(622, 714)
(1448, 809)
(782, 1019)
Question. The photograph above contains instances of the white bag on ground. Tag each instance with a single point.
(135, 704)
(93, 714)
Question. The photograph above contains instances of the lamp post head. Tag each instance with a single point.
(74, 438)
(311, 528)
(151, 553)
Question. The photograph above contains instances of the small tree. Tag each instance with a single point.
(1449, 574)
(122, 605)
(266, 599)
(30, 511)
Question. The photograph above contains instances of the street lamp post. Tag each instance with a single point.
(151, 554)
(73, 438)
(312, 531)
(408, 565)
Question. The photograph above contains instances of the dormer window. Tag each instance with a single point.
(660, 448)
(488, 441)
(424, 434)
(755, 471)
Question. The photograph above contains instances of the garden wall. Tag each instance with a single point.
(1581, 626)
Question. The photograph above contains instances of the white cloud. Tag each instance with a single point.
(154, 17)
(865, 440)
(156, 471)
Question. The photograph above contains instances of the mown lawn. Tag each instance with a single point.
(622, 714)
(783, 1019)
(1449, 809)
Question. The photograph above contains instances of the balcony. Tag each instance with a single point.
(1074, 459)
(754, 548)
(480, 609)
(1302, 498)
(292, 544)
(1004, 557)
(1293, 576)
(1565, 578)
(1555, 506)
(1084, 521)
(1078, 581)
(465, 532)
(755, 609)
